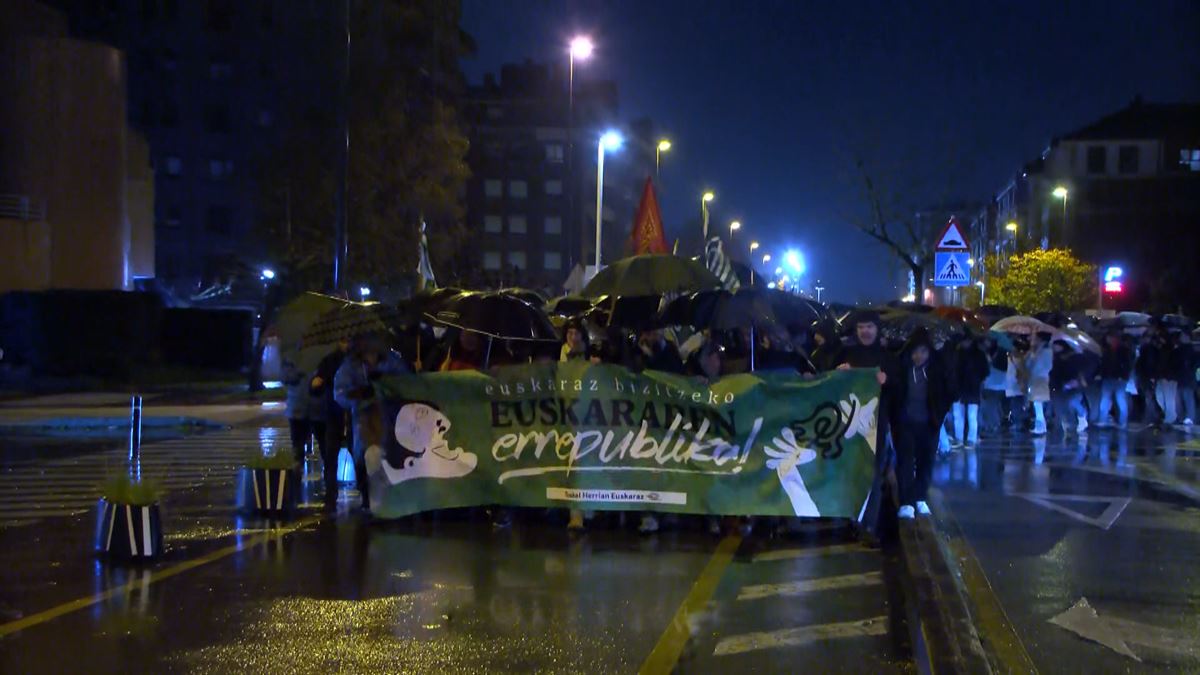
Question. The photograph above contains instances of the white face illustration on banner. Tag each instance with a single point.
(421, 429)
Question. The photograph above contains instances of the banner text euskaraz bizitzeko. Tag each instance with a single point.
(602, 437)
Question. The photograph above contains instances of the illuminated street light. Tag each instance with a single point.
(795, 261)
(663, 146)
(611, 140)
(1060, 192)
(1011, 226)
(982, 291)
(753, 246)
(766, 258)
(778, 271)
(970, 262)
(581, 47)
(364, 291)
(734, 227)
(704, 200)
(268, 273)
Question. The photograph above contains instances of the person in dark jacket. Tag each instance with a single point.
(867, 352)
(1147, 376)
(336, 423)
(1116, 367)
(971, 368)
(829, 352)
(1183, 369)
(922, 401)
(1166, 388)
(1066, 387)
(655, 352)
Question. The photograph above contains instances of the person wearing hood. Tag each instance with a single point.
(922, 401)
(1066, 386)
(829, 351)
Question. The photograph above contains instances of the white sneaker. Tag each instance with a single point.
(923, 508)
(649, 524)
(906, 512)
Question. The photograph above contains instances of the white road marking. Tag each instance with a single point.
(760, 591)
(803, 635)
(812, 551)
(1116, 506)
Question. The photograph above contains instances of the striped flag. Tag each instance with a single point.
(424, 266)
(719, 264)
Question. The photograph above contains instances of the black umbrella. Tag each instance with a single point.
(633, 312)
(795, 311)
(532, 297)
(721, 311)
(419, 305)
(568, 305)
(498, 316)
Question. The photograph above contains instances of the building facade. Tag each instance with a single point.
(76, 189)
(1123, 191)
(206, 81)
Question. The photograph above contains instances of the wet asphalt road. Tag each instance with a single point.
(428, 595)
(1113, 517)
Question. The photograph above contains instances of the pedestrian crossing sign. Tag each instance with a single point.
(951, 268)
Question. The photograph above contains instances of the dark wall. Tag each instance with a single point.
(100, 333)
(217, 339)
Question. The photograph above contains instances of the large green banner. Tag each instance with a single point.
(602, 437)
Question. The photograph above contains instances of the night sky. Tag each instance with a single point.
(767, 102)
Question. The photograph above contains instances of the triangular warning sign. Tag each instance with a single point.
(1115, 506)
(952, 238)
(952, 271)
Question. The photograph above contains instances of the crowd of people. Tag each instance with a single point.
(938, 393)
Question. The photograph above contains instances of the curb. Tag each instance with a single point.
(956, 622)
(942, 634)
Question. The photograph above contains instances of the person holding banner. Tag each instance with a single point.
(867, 352)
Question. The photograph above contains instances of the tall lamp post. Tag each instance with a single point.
(734, 227)
(982, 292)
(704, 200)
(580, 49)
(611, 140)
(663, 146)
(753, 247)
(1061, 192)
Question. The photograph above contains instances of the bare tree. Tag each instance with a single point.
(908, 235)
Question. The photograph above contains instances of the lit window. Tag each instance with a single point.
(552, 260)
(493, 224)
(1189, 159)
(516, 224)
(554, 187)
(517, 259)
(493, 188)
(491, 260)
(553, 225)
(554, 153)
(518, 189)
(174, 166)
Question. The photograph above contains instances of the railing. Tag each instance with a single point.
(21, 207)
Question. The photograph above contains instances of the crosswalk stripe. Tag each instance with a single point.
(798, 637)
(812, 551)
(760, 591)
(33, 515)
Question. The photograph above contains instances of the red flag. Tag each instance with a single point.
(647, 235)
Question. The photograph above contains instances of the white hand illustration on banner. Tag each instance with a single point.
(421, 429)
(860, 418)
(785, 456)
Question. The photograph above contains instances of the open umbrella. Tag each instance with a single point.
(497, 316)
(632, 312)
(958, 314)
(722, 311)
(794, 311)
(531, 296)
(993, 313)
(297, 315)
(898, 325)
(1079, 340)
(568, 305)
(651, 275)
(1021, 325)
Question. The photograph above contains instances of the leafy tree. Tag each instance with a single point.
(1041, 281)
(407, 160)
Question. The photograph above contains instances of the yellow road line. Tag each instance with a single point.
(804, 635)
(155, 576)
(994, 627)
(663, 657)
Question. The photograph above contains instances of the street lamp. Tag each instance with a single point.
(766, 258)
(704, 200)
(580, 48)
(663, 146)
(734, 227)
(364, 291)
(818, 288)
(267, 274)
(794, 260)
(753, 246)
(982, 291)
(611, 140)
(1061, 193)
(1011, 226)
